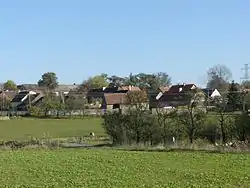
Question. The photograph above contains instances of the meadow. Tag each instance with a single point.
(73, 168)
(25, 128)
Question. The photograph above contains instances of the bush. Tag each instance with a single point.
(115, 126)
(132, 128)
(148, 129)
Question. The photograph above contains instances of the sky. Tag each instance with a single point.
(79, 38)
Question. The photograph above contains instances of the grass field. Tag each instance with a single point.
(25, 128)
(109, 168)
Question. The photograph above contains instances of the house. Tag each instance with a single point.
(61, 88)
(5, 98)
(129, 88)
(25, 87)
(113, 100)
(25, 98)
(163, 89)
(121, 100)
(211, 92)
(65, 89)
(9, 95)
(98, 93)
(155, 96)
(181, 88)
(1, 86)
(175, 96)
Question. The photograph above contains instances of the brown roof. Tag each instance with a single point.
(164, 89)
(114, 98)
(9, 94)
(129, 88)
(181, 88)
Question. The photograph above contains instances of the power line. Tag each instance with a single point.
(246, 72)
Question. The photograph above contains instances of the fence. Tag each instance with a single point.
(85, 112)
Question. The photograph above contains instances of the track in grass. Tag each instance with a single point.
(26, 128)
(108, 168)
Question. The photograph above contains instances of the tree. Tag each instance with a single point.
(234, 98)
(58, 105)
(167, 121)
(137, 106)
(246, 84)
(137, 100)
(194, 116)
(242, 126)
(76, 101)
(10, 85)
(116, 81)
(218, 77)
(163, 79)
(149, 81)
(246, 101)
(222, 117)
(48, 81)
(5, 102)
(131, 80)
(95, 82)
(48, 103)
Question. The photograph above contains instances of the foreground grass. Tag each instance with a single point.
(20, 129)
(109, 168)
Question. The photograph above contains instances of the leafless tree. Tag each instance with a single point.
(222, 115)
(193, 117)
(219, 77)
(167, 121)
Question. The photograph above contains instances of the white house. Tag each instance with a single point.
(211, 92)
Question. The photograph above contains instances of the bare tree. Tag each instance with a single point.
(137, 100)
(194, 115)
(76, 101)
(222, 115)
(166, 120)
(137, 106)
(219, 77)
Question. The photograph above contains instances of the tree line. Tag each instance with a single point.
(228, 121)
(218, 77)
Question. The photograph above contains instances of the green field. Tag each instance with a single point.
(109, 168)
(20, 129)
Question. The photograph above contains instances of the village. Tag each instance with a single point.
(107, 98)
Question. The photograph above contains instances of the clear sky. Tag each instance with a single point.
(80, 38)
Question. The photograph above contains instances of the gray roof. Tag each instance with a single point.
(66, 88)
(61, 87)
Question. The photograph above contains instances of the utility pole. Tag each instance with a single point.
(2, 105)
(246, 73)
(244, 79)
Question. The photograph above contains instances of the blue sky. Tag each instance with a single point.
(80, 38)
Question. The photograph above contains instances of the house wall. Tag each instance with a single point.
(216, 93)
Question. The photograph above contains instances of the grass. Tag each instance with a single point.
(73, 168)
(21, 129)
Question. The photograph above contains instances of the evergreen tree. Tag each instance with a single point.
(234, 98)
